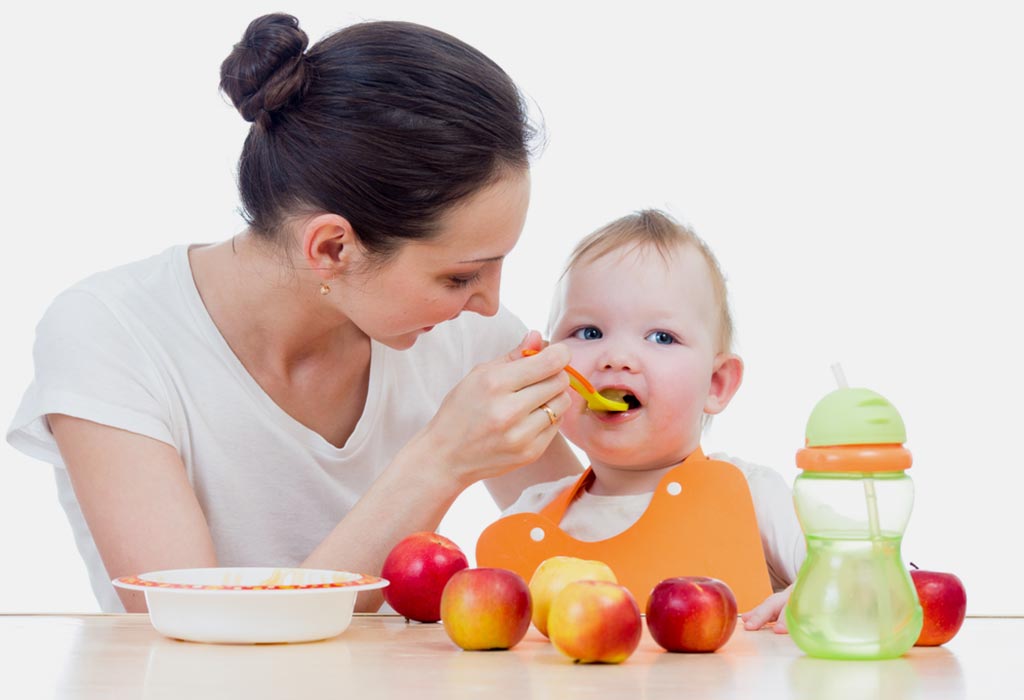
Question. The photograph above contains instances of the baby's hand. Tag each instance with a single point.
(770, 612)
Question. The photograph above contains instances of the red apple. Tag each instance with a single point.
(691, 613)
(944, 602)
(595, 622)
(486, 608)
(418, 568)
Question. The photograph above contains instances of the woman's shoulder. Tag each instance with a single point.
(123, 295)
(129, 278)
(132, 312)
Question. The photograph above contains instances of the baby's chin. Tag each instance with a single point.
(645, 468)
(628, 450)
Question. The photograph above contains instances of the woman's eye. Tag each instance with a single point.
(588, 333)
(463, 281)
(661, 338)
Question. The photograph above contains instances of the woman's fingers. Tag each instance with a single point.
(515, 388)
(552, 412)
(504, 414)
(542, 363)
(539, 377)
(532, 341)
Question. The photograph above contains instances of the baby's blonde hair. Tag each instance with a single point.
(656, 229)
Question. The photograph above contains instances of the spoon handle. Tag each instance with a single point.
(585, 389)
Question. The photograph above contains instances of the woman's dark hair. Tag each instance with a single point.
(385, 123)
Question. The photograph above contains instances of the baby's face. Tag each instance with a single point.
(645, 329)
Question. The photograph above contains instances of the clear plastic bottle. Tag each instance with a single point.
(854, 598)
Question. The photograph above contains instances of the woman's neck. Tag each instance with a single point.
(267, 308)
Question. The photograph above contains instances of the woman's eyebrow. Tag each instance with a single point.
(482, 260)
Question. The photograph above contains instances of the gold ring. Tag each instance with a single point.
(551, 414)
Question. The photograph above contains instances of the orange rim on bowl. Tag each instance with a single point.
(340, 580)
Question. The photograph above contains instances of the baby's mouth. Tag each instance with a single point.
(621, 395)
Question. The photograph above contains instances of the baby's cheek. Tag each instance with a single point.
(571, 426)
(681, 426)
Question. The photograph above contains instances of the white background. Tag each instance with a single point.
(857, 167)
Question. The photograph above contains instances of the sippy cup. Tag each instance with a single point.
(853, 598)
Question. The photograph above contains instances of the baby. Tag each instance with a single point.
(642, 305)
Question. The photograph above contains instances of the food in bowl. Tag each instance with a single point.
(250, 604)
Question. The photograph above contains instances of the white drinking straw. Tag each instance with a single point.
(869, 484)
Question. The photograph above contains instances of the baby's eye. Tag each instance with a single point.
(661, 338)
(588, 333)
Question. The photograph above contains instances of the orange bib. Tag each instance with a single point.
(700, 522)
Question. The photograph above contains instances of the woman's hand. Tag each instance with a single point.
(502, 415)
(489, 424)
(771, 612)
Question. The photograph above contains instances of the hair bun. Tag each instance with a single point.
(267, 69)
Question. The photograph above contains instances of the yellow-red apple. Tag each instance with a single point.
(944, 602)
(595, 622)
(691, 613)
(486, 608)
(552, 575)
(418, 568)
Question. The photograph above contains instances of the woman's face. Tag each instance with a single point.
(428, 282)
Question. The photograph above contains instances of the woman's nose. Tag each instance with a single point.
(485, 298)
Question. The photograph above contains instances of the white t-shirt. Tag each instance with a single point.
(134, 348)
(591, 518)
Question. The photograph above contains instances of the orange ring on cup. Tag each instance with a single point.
(854, 458)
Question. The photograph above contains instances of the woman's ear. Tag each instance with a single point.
(726, 377)
(329, 244)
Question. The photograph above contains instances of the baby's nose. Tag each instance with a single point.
(618, 359)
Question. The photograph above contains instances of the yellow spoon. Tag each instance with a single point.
(595, 401)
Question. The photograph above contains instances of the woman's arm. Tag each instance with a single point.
(558, 461)
(143, 514)
(136, 498)
(489, 425)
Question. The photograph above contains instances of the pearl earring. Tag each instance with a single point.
(324, 289)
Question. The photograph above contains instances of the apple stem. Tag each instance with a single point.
(915, 566)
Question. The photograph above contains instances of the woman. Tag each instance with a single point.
(309, 391)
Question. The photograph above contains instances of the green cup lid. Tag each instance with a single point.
(852, 416)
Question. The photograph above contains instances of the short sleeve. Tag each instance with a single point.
(88, 365)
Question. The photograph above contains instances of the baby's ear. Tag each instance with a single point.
(726, 377)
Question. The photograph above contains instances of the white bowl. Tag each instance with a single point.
(250, 604)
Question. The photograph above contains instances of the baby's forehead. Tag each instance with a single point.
(685, 258)
(670, 257)
(678, 277)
